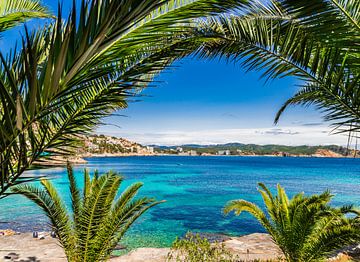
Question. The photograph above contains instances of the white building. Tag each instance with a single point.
(224, 152)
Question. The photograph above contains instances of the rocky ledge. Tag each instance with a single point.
(23, 247)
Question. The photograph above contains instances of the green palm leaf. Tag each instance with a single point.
(14, 12)
(305, 228)
(68, 76)
(101, 219)
(315, 41)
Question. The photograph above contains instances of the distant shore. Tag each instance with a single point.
(253, 155)
(81, 159)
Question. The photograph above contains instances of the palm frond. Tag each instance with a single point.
(75, 194)
(101, 220)
(292, 38)
(54, 208)
(14, 12)
(70, 75)
(305, 228)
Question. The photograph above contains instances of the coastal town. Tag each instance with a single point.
(102, 145)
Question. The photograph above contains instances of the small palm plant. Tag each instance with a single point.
(99, 219)
(305, 228)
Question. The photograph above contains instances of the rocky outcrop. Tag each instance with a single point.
(21, 247)
(326, 153)
(250, 247)
(144, 255)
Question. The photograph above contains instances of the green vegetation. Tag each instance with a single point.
(66, 77)
(317, 41)
(193, 248)
(305, 228)
(14, 12)
(257, 149)
(70, 74)
(99, 219)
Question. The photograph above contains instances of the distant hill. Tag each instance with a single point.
(253, 149)
(107, 145)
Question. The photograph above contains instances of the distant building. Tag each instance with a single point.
(183, 154)
(150, 149)
(224, 152)
(179, 149)
(283, 154)
(193, 153)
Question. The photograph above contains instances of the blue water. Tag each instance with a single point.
(196, 189)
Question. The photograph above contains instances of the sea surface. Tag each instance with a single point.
(196, 189)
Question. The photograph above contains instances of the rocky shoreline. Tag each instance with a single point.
(23, 247)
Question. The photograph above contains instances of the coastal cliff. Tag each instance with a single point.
(101, 145)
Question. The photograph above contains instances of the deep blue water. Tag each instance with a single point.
(196, 189)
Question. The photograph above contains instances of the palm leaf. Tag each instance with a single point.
(70, 75)
(101, 219)
(305, 228)
(14, 12)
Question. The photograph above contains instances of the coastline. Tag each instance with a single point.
(80, 159)
(206, 155)
(252, 246)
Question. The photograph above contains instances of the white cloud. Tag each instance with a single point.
(292, 135)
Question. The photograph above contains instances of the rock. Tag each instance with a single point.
(249, 247)
(254, 246)
(326, 153)
(144, 255)
(46, 250)
(7, 232)
(351, 251)
(12, 256)
(120, 247)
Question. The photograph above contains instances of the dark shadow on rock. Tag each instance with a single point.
(29, 259)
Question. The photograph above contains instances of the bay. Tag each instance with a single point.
(195, 190)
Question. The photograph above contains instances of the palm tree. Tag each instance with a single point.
(68, 76)
(99, 218)
(14, 12)
(316, 41)
(305, 228)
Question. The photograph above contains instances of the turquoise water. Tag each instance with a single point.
(196, 189)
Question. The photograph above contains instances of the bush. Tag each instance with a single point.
(193, 248)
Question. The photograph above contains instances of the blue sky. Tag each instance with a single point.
(211, 101)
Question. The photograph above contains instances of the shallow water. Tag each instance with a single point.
(196, 189)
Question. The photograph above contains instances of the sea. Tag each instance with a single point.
(196, 188)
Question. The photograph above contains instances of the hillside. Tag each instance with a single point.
(101, 145)
(253, 149)
(110, 145)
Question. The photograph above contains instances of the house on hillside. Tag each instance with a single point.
(224, 153)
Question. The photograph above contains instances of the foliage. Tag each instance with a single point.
(14, 12)
(99, 218)
(70, 75)
(194, 248)
(316, 41)
(257, 149)
(305, 228)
